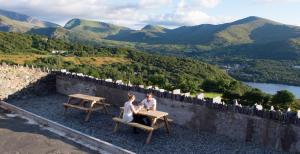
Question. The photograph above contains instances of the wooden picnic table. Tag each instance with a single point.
(86, 103)
(155, 116)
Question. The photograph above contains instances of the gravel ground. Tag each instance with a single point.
(101, 126)
(19, 137)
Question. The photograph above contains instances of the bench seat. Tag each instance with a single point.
(133, 124)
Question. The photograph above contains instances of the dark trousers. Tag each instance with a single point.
(141, 120)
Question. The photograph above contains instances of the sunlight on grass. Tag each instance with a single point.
(96, 61)
(20, 59)
(211, 94)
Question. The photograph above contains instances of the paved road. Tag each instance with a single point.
(16, 136)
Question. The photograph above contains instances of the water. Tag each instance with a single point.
(273, 88)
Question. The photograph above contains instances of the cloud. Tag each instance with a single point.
(208, 3)
(276, 1)
(134, 14)
(154, 3)
(189, 15)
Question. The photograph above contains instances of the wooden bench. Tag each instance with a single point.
(132, 124)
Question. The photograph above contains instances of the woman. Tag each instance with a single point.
(130, 111)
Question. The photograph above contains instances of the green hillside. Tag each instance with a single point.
(100, 29)
(141, 68)
(250, 40)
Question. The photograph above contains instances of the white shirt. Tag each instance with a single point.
(128, 114)
(149, 104)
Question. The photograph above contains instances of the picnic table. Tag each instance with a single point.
(158, 119)
(86, 103)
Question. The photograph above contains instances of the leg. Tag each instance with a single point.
(65, 111)
(137, 119)
(116, 127)
(167, 124)
(88, 115)
(66, 108)
(105, 109)
(151, 132)
(149, 137)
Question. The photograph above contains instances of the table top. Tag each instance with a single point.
(86, 97)
(151, 113)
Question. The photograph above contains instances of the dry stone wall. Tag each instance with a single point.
(20, 81)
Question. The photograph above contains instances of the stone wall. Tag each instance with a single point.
(271, 129)
(20, 81)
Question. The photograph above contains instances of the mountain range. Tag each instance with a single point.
(253, 37)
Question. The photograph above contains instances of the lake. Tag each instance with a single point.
(273, 88)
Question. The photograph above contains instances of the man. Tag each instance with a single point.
(149, 102)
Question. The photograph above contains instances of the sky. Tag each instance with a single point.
(136, 14)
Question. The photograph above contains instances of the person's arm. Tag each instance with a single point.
(142, 103)
(154, 105)
(134, 110)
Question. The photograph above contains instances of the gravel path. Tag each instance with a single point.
(101, 126)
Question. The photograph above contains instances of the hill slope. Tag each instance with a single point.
(16, 22)
(141, 68)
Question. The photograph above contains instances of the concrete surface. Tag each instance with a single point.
(17, 136)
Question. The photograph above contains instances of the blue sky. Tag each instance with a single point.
(169, 13)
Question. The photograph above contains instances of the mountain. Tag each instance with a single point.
(16, 22)
(93, 27)
(244, 31)
(252, 37)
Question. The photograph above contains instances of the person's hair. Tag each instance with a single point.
(130, 96)
(149, 94)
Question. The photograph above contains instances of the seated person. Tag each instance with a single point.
(149, 103)
(130, 111)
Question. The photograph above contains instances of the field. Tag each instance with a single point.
(20, 59)
(96, 61)
(211, 94)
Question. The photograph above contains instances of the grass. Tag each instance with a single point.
(295, 106)
(96, 61)
(212, 94)
(20, 59)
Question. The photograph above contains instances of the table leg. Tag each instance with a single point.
(66, 108)
(167, 124)
(121, 114)
(149, 137)
(116, 127)
(151, 132)
(105, 108)
(65, 111)
(88, 115)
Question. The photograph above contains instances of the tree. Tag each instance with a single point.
(229, 96)
(252, 97)
(282, 99)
